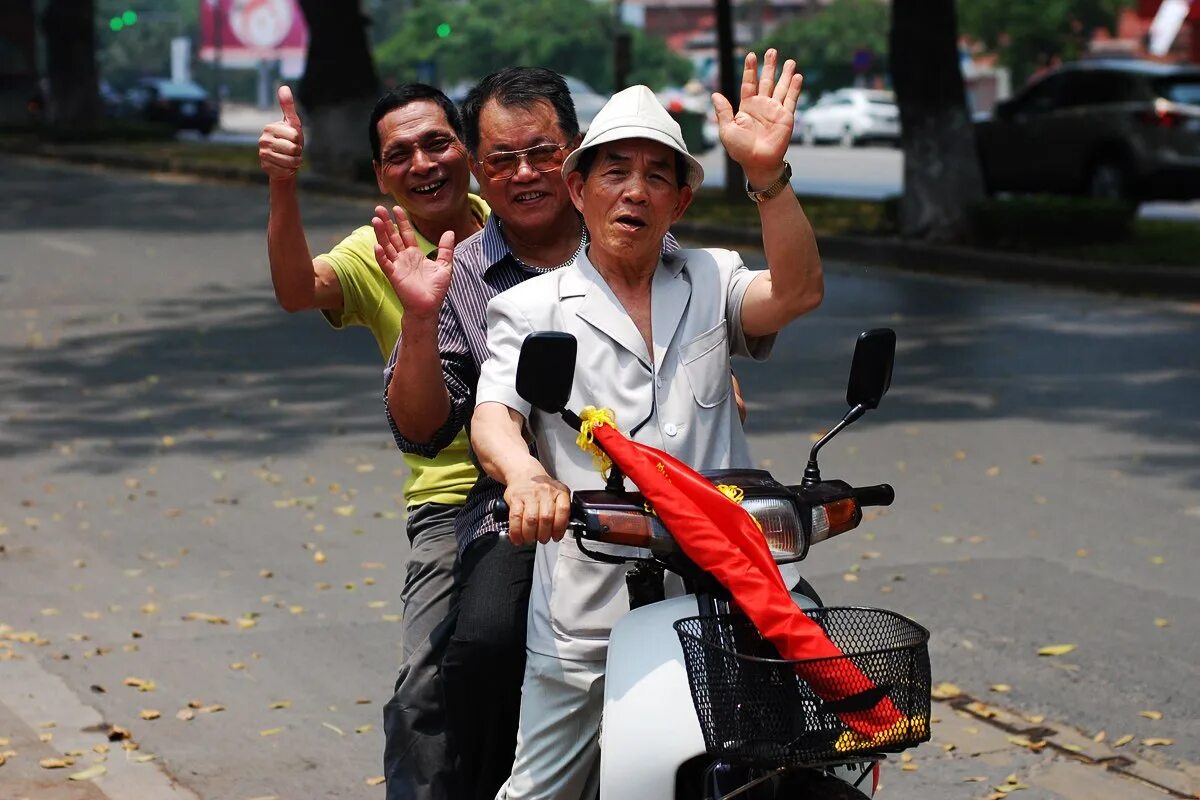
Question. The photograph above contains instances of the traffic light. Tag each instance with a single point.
(125, 19)
(443, 30)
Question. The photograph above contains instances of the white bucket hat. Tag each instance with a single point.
(635, 113)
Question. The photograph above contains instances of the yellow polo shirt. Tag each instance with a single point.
(369, 301)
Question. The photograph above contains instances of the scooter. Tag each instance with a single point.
(696, 703)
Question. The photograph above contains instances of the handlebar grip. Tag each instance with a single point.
(500, 510)
(881, 495)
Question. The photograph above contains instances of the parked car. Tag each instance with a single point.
(182, 104)
(1127, 130)
(851, 116)
(588, 101)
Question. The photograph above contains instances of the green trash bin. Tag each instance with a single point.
(691, 123)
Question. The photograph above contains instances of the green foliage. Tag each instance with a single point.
(569, 36)
(1029, 222)
(1029, 34)
(824, 43)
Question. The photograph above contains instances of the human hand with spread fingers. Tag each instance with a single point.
(758, 134)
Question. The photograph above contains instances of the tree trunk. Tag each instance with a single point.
(68, 29)
(942, 177)
(20, 83)
(338, 90)
(729, 75)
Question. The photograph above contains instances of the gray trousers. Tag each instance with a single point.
(417, 759)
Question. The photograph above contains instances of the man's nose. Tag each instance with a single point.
(421, 162)
(525, 171)
(635, 189)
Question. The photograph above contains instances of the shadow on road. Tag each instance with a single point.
(222, 374)
(984, 352)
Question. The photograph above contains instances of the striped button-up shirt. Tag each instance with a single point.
(484, 266)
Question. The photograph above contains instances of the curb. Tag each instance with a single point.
(1180, 283)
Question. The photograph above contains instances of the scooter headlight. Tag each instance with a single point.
(780, 525)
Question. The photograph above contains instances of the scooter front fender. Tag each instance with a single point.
(650, 727)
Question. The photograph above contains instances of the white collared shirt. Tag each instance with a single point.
(681, 401)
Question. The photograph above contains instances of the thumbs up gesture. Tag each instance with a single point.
(281, 146)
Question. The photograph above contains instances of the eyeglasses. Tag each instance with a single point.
(541, 158)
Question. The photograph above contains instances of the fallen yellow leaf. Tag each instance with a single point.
(200, 616)
(946, 691)
(1153, 742)
(319, 557)
(168, 441)
(1124, 740)
(140, 684)
(992, 472)
(142, 759)
(1001, 687)
(270, 731)
(344, 511)
(1099, 737)
(185, 714)
(149, 714)
(378, 779)
(281, 704)
(55, 763)
(94, 771)
(909, 767)
(334, 728)
(1151, 714)
(363, 728)
(1159, 622)
(1056, 650)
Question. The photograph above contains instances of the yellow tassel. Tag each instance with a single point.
(903, 728)
(734, 493)
(591, 417)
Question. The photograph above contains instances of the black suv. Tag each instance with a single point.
(1127, 130)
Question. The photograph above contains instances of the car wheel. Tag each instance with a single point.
(847, 138)
(1108, 180)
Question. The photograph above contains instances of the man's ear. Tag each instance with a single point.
(378, 167)
(682, 203)
(575, 187)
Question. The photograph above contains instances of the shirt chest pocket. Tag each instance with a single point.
(706, 361)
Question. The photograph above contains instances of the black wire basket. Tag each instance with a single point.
(756, 709)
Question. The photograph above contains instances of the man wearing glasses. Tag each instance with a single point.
(415, 134)
(520, 125)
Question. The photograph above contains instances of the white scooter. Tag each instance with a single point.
(697, 704)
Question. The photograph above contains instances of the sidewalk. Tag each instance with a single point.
(1170, 283)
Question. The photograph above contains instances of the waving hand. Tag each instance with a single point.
(419, 282)
(758, 134)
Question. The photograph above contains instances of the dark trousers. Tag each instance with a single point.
(417, 759)
(484, 664)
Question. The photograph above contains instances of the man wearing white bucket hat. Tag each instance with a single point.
(655, 335)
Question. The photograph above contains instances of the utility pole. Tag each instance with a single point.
(622, 48)
(728, 84)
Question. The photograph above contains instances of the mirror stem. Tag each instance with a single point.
(812, 473)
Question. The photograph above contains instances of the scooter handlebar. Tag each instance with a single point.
(881, 495)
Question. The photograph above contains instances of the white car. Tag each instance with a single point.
(588, 101)
(850, 116)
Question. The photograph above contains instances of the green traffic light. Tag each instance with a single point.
(443, 30)
(116, 24)
(129, 17)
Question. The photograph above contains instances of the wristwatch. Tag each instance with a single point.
(772, 190)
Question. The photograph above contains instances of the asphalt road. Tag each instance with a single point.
(199, 490)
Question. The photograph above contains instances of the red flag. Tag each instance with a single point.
(723, 539)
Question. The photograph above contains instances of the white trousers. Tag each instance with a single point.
(558, 740)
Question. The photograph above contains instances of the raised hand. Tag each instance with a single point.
(281, 146)
(420, 283)
(758, 135)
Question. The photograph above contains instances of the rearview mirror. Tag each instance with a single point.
(546, 370)
(871, 370)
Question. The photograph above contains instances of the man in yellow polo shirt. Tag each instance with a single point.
(419, 159)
